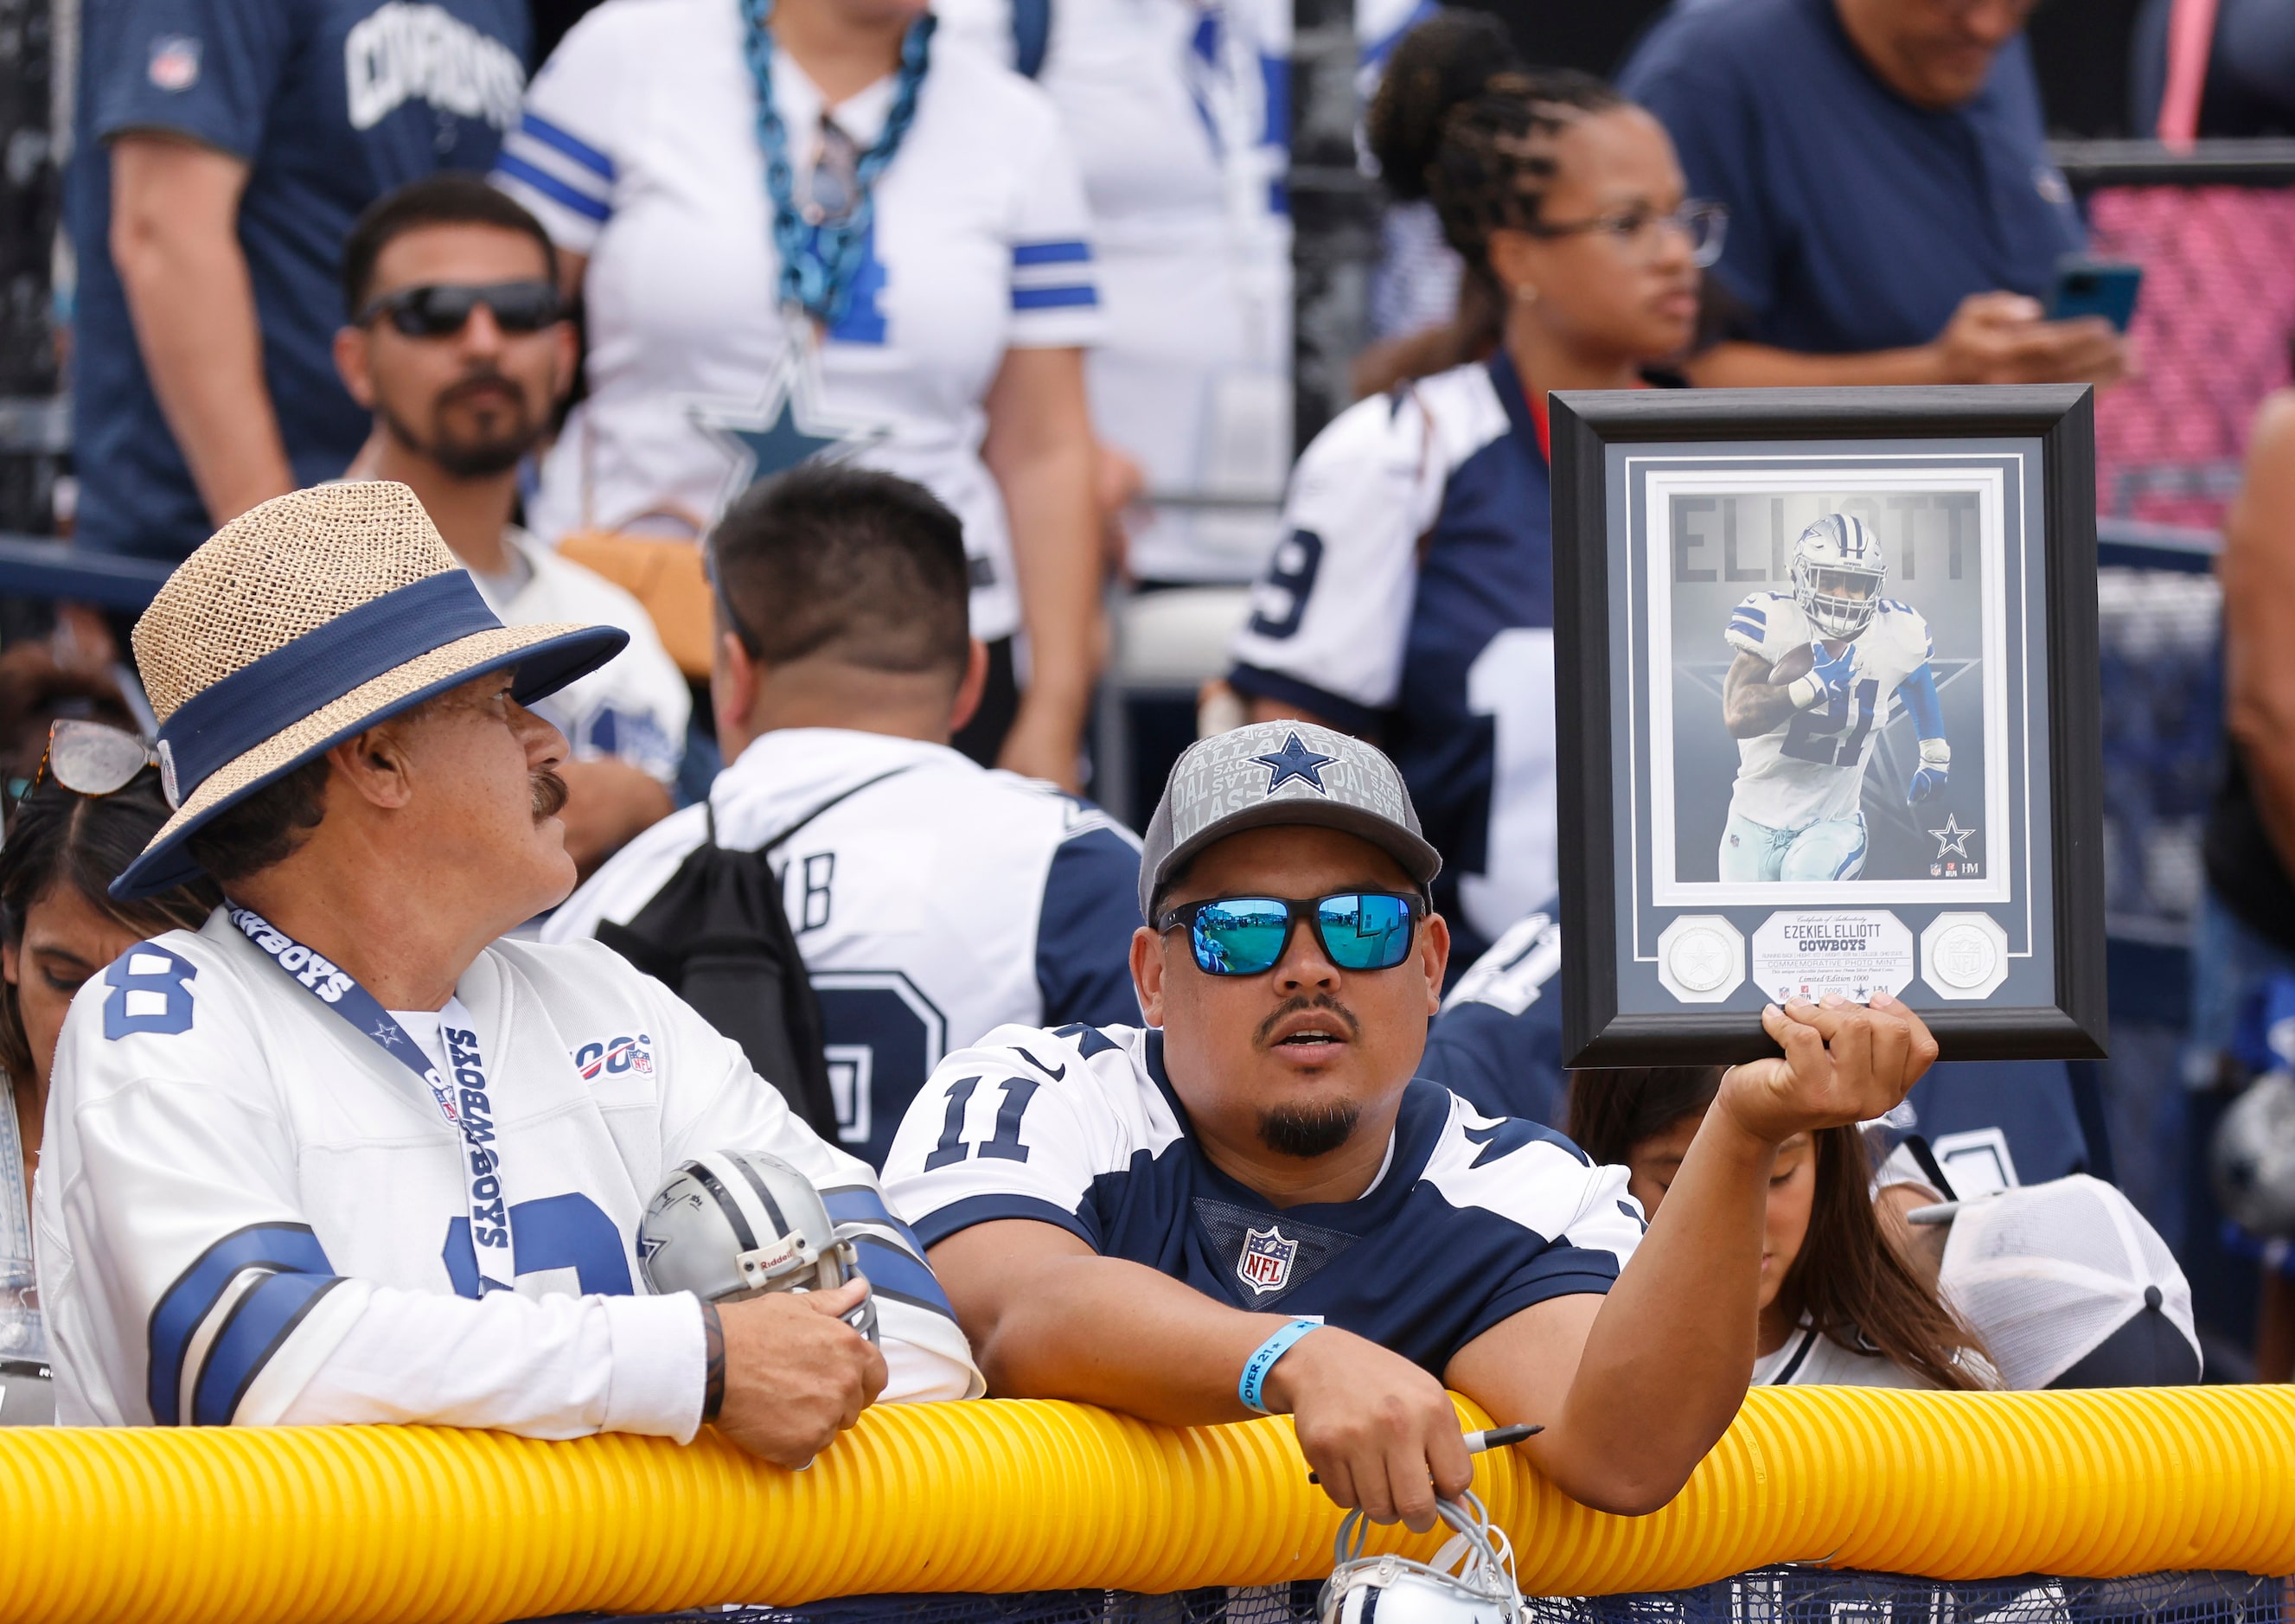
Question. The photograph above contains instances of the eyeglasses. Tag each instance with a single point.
(442, 309)
(88, 758)
(1247, 935)
(1636, 230)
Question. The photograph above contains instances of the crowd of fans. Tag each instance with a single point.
(872, 345)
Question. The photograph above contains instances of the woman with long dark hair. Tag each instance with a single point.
(93, 805)
(1840, 1305)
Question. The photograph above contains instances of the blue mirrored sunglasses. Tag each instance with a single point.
(1246, 935)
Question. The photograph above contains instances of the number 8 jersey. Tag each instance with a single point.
(1810, 767)
(1413, 598)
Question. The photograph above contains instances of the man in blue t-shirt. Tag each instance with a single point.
(1248, 1203)
(223, 148)
(1894, 217)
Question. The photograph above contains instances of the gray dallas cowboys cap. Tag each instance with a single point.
(1280, 772)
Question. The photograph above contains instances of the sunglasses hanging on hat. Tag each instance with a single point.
(88, 758)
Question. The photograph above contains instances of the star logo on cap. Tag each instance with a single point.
(1952, 840)
(1294, 760)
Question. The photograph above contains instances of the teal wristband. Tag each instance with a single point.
(1263, 1360)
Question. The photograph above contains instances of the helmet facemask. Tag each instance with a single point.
(1471, 1579)
(1838, 575)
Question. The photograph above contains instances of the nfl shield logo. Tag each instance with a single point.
(1265, 1265)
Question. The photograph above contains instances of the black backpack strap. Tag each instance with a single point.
(789, 833)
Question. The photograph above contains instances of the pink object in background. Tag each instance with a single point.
(2211, 334)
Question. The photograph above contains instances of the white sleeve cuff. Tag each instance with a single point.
(658, 1357)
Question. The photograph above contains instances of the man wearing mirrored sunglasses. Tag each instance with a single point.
(1251, 1205)
(458, 345)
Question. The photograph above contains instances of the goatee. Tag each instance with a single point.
(1309, 1131)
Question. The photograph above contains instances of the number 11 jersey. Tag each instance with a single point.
(1810, 767)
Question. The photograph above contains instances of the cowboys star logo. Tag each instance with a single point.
(787, 424)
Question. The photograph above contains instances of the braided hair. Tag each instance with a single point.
(1495, 162)
(1444, 61)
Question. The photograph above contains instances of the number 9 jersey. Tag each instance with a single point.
(1413, 598)
(1810, 767)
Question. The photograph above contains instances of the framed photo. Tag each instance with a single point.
(1826, 680)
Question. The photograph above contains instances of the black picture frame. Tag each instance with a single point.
(1586, 426)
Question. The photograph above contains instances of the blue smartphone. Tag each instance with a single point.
(2095, 287)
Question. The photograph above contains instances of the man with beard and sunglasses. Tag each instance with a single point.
(1251, 1204)
(342, 1155)
(456, 340)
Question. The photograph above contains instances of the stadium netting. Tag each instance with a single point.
(1791, 1594)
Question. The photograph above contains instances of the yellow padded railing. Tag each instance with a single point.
(310, 1525)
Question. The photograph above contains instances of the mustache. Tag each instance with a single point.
(1303, 1001)
(549, 793)
(484, 379)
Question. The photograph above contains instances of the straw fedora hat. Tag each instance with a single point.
(301, 622)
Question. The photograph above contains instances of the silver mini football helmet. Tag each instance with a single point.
(2253, 1158)
(1470, 1582)
(1838, 551)
(734, 1224)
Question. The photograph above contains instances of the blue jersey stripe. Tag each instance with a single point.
(1054, 298)
(1749, 612)
(526, 174)
(260, 1321)
(581, 151)
(1073, 252)
(185, 1305)
(901, 1275)
(856, 1204)
(938, 1225)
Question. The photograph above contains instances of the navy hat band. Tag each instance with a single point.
(262, 699)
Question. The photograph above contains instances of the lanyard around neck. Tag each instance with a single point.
(819, 262)
(466, 1103)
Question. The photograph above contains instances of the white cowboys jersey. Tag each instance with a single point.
(636, 706)
(1810, 767)
(930, 905)
(1182, 149)
(639, 148)
(249, 1213)
(1473, 1219)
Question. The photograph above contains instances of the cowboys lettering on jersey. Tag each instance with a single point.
(250, 1212)
(1413, 598)
(1804, 743)
(1474, 1218)
(933, 899)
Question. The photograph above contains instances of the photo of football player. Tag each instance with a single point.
(1806, 695)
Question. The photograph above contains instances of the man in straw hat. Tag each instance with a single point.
(263, 1200)
(1251, 1204)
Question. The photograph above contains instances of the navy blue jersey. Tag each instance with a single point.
(1856, 220)
(1473, 1219)
(1413, 600)
(331, 103)
(1499, 1043)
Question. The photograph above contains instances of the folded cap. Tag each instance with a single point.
(2069, 1286)
(1274, 773)
(301, 624)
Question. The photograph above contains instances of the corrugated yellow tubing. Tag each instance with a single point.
(310, 1525)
